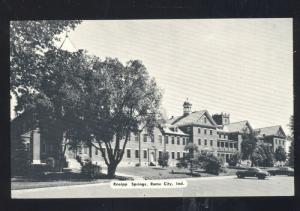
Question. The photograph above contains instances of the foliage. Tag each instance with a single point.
(20, 160)
(291, 150)
(189, 161)
(90, 170)
(234, 159)
(263, 155)
(210, 163)
(280, 154)
(163, 160)
(117, 100)
(248, 146)
(29, 40)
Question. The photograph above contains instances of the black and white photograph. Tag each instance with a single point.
(151, 108)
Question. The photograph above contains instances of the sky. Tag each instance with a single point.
(239, 66)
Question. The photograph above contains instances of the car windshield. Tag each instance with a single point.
(254, 169)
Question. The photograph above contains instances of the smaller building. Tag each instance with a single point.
(273, 135)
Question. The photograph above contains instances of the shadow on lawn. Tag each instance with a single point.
(64, 176)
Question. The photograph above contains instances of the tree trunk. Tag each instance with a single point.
(111, 170)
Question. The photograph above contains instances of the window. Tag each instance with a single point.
(136, 138)
(199, 141)
(210, 132)
(218, 144)
(128, 153)
(145, 153)
(183, 141)
(173, 155)
(225, 136)
(231, 145)
(80, 150)
(173, 140)
(222, 144)
(205, 131)
(199, 130)
(166, 139)
(187, 139)
(96, 151)
(205, 142)
(211, 142)
(178, 154)
(160, 139)
(226, 145)
(205, 120)
(175, 129)
(145, 137)
(178, 140)
(159, 154)
(152, 139)
(137, 153)
(219, 135)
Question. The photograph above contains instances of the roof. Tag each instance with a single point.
(237, 126)
(169, 130)
(192, 118)
(271, 131)
(173, 119)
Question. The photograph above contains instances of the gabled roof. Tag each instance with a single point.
(237, 126)
(192, 118)
(170, 129)
(271, 131)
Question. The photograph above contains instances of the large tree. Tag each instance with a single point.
(29, 41)
(118, 100)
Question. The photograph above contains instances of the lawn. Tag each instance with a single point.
(148, 172)
(57, 179)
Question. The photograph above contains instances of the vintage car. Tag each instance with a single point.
(282, 171)
(252, 172)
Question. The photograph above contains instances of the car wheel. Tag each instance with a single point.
(261, 177)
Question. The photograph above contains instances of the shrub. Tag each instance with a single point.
(234, 159)
(37, 170)
(210, 163)
(91, 170)
(163, 160)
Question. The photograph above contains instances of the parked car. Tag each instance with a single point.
(253, 172)
(282, 171)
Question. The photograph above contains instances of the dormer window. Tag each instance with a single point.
(205, 120)
(175, 129)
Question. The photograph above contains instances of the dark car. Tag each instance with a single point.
(253, 172)
(282, 171)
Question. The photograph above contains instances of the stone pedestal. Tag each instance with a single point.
(36, 147)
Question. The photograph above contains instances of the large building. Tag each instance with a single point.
(214, 133)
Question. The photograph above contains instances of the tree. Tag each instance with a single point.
(248, 146)
(29, 41)
(263, 155)
(189, 161)
(20, 160)
(163, 160)
(280, 154)
(291, 150)
(117, 100)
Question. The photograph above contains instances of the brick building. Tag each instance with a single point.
(213, 133)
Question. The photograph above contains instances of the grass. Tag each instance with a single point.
(57, 179)
(148, 172)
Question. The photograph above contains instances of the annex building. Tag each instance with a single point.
(215, 133)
